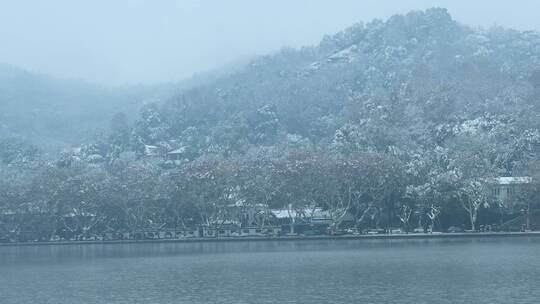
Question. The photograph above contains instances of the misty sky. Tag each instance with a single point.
(128, 41)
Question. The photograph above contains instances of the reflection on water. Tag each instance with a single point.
(505, 270)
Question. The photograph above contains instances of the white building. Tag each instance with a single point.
(509, 190)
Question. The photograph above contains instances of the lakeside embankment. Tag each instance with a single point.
(291, 238)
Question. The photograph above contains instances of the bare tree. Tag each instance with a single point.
(433, 213)
(472, 197)
(404, 215)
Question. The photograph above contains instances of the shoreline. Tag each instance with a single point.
(287, 238)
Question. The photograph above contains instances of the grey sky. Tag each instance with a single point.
(129, 41)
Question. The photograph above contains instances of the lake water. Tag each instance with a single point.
(495, 270)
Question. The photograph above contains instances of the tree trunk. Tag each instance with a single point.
(528, 216)
(473, 220)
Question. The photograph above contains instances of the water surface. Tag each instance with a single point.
(494, 270)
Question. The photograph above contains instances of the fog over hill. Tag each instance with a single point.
(54, 112)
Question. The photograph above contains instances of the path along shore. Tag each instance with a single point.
(293, 238)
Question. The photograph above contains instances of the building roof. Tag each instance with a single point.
(507, 180)
(321, 214)
(284, 213)
(150, 150)
(180, 150)
(346, 54)
(307, 212)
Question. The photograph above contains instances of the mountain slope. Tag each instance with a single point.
(409, 85)
(389, 120)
